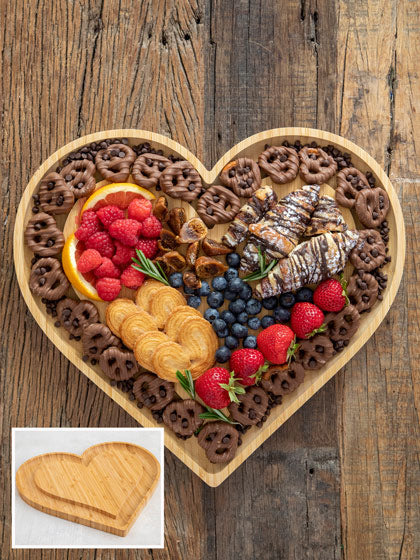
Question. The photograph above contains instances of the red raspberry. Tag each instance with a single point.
(107, 269)
(88, 260)
(108, 288)
(132, 278)
(148, 246)
(139, 209)
(123, 254)
(108, 214)
(90, 225)
(151, 227)
(102, 242)
(125, 231)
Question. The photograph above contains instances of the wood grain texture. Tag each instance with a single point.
(268, 64)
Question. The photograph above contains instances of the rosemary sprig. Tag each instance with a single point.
(213, 414)
(149, 268)
(186, 382)
(264, 268)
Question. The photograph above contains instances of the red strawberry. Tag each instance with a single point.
(108, 288)
(132, 278)
(148, 246)
(216, 387)
(110, 213)
(306, 320)
(331, 295)
(102, 243)
(88, 260)
(125, 231)
(107, 269)
(90, 225)
(276, 343)
(248, 365)
(123, 254)
(151, 227)
(139, 209)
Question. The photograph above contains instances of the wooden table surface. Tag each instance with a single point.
(341, 478)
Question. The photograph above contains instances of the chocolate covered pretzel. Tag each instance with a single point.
(47, 279)
(316, 166)
(114, 162)
(79, 177)
(183, 417)
(372, 206)
(218, 205)
(118, 364)
(283, 379)
(242, 176)
(54, 195)
(280, 163)
(350, 181)
(342, 325)
(369, 252)
(76, 315)
(314, 352)
(219, 440)
(181, 180)
(251, 408)
(96, 337)
(42, 235)
(153, 392)
(362, 291)
(147, 169)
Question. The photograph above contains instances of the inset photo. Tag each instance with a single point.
(87, 488)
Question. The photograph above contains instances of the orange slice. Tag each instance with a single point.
(120, 194)
(79, 281)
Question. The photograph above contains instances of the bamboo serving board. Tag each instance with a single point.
(105, 488)
(189, 451)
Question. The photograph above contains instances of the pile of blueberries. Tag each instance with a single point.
(233, 324)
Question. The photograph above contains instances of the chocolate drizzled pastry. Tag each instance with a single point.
(280, 163)
(154, 393)
(148, 168)
(350, 182)
(369, 252)
(315, 352)
(342, 325)
(218, 205)
(114, 162)
(251, 408)
(183, 417)
(47, 279)
(311, 262)
(251, 212)
(75, 316)
(118, 364)
(316, 166)
(79, 177)
(181, 180)
(219, 440)
(96, 337)
(372, 206)
(42, 235)
(283, 379)
(326, 217)
(242, 176)
(362, 291)
(54, 195)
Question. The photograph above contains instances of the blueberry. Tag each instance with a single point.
(219, 283)
(228, 317)
(230, 296)
(233, 260)
(250, 342)
(269, 303)
(282, 315)
(194, 301)
(242, 318)
(254, 323)
(253, 307)
(224, 333)
(246, 292)
(230, 274)
(205, 289)
(222, 354)
(287, 299)
(231, 342)
(304, 294)
(235, 285)
(267, 321)
(237, 306)
(175, 280)
(190, 291)
(211, 315)
(219, 325)
(215, 299)
(239, 330)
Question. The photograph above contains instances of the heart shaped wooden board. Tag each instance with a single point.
(189, 451)
(105, 488)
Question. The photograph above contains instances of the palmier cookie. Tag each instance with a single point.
(136, 324)
(369, 252)
(181, 180)
(117, 363)
(316, 166)
(117, 311)
(242, 176)
(152, 392)
(163, 305)
(168, 358)
(173, 325)
(96, 337)
(251, 408)
(314, 352)
(198, 338)
(350, 181)
(146, 293)
(219, 440)
(362, 291)
(284, 379)
(342, 325)
(280, 163)
(47, 279)
(183, 417)
(218, 205)
(147, 169)
(54, 195)
(42, 235)
(76, 315)
(114, 162)
(79, 177)
(145, 347)
(372, 206)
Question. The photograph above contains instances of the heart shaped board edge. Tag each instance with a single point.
(188, 451)
(41, 484)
